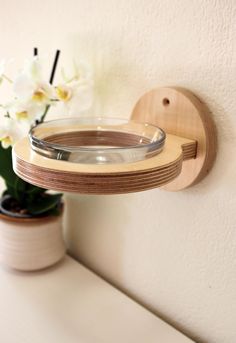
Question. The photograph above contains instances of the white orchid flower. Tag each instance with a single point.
(11, 132)
(33, 68)
(25, 112)
(81, 72)
(26, 89)
(64, 92)
(77, 92)
(76, 97)
(30, 87)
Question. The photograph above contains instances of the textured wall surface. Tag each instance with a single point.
(173, 252)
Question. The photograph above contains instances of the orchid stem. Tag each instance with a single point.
(44, 115)
(51, 80)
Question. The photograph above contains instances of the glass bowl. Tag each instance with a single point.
(97, 140)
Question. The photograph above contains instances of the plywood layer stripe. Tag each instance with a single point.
(103, 179)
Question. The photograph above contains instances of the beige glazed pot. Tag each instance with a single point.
(29, 244)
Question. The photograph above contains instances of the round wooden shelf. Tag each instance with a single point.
(103, 179)
(186, 158)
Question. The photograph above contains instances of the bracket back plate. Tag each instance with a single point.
(179, 112)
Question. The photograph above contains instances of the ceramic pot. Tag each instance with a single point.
(31, 243)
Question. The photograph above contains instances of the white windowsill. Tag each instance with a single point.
(70, 304)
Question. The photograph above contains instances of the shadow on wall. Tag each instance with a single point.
(102, 233)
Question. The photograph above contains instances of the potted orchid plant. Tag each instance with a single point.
(30, 217)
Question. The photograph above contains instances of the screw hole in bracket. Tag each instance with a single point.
(165, 102)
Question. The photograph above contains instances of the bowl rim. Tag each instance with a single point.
(157, 144)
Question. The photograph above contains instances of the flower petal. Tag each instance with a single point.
(26, 111)
(81, 72)
(81, 100)
(13, 129)
(24, 87)
(64, 93)
(33, 68)
(6, 142)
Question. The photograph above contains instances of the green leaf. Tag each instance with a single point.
(10, 190)
(34, 190)
(6, 170)
(19, 188)
(44, 204)
(16, 187)
(54, 212)
(31, 197)
(33, 193)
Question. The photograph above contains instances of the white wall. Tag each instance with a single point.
(174, 252)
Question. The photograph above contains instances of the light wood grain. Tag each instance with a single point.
(103, 179)
(178, 111)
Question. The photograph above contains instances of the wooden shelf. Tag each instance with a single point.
(186, 158)
(70, 304)
(103, 179)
